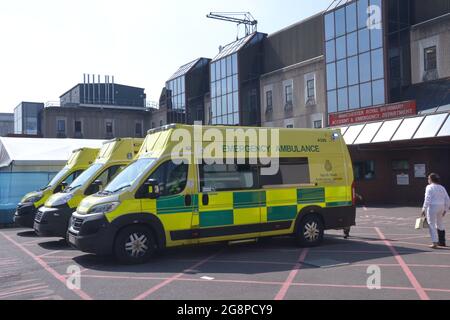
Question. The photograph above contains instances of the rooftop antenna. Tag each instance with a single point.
(240, 18)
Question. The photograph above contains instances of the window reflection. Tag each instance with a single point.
(332, 101)
(340, 21)
(354, 57)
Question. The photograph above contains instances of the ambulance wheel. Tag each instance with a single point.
(134, 245)
(310, 231)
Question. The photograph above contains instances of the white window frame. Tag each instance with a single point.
(65, 125)
(288, 123)
(423, 44)
(82, 126)
(287, 83)
(317, 117)
(308, 77)
(142, 127)
(113, 126)
(267, 89)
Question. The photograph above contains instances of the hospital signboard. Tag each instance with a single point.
(390, 111)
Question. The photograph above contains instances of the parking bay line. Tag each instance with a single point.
(173, 278)
(415, 283)
(290, 279)
(271, 283)
(83, 295)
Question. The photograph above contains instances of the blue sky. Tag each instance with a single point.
(47, 45)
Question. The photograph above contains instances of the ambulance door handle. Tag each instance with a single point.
(205, 199)
(188, 200)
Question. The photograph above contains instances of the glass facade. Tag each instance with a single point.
(26, 118)
(177, 92)
(354, 56)
(225, 91)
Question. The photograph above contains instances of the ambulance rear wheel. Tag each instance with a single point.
(310, 231)
(135, 245)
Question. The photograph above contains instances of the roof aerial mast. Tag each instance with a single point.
(240, 18)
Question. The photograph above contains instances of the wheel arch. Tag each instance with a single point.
(147, 219)
(307, 211)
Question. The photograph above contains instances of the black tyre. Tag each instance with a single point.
(134, 245)
(310, 231)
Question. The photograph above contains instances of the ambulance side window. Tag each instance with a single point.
(226, 177)
(109, 174)
(68, 180)
(292, 171)
(172, 179)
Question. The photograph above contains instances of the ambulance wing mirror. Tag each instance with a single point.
(152, 187)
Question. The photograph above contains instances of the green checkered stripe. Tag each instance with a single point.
(247, 200)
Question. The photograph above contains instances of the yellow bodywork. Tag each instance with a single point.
(117, 152)
(331, 179)
(79, 161)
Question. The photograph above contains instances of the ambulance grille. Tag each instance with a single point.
(39, 215)
(76, 224)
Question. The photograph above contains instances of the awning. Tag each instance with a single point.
(409, 128)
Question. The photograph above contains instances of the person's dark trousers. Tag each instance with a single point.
(346, 233)
(442, 242)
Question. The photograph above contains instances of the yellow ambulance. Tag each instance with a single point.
(79, 161)
(299, 183)
(53, 218)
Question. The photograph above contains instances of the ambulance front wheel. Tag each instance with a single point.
(310, 231)
(135, 245)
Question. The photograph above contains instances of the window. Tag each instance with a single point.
(289, 126)
(109, 127)
(72, 177)
(223, 89)
(161, 123)
(400, 165)
(225, 177)
(430, 59)
(318, 124)
(292, 171)
(310, 88)
(61, 126)
(109, 174)
(171, 177)
(354, 56)
(69, 179)
(364, 170)
(288, 94)
(138, 130)
(269, 100)
(78, 126)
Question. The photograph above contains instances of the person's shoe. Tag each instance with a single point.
(442, 242)
(434, 246)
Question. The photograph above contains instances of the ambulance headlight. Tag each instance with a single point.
(104, 208)
(62, 200)
(33, 198)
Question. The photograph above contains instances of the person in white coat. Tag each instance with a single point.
(437, 203)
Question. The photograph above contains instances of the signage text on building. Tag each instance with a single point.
(390, 111)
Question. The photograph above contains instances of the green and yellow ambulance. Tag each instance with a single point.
(52, 219)
(159, 202)
(79, 161)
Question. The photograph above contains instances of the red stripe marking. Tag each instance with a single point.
(170, 280)
(83, 295)
(290, 279)
(419, 289)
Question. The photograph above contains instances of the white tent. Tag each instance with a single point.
(29, 164)
(35, 154)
